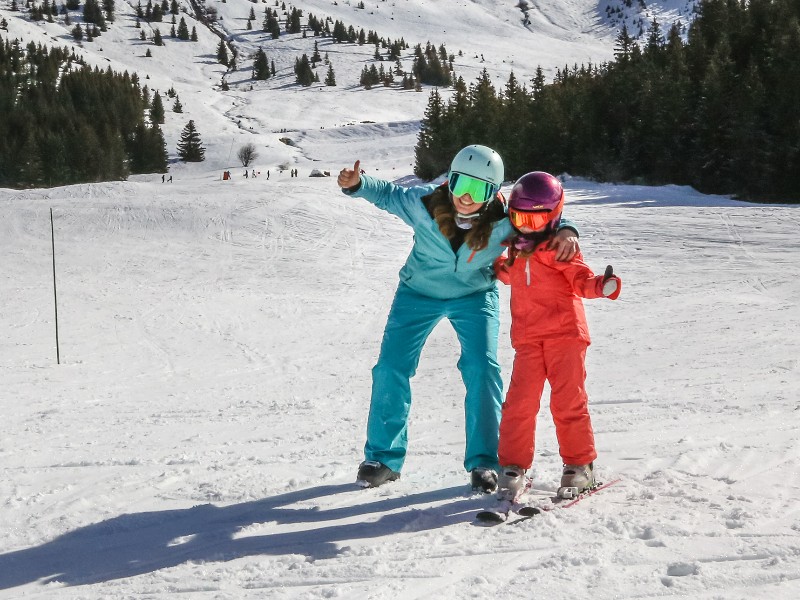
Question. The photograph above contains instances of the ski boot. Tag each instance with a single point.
(575, 480)
(483, 479)
(372, 473)
(510, 483)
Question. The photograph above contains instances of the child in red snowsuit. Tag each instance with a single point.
(550, 336)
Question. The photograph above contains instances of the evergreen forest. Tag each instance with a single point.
(718, 111)
(64, 122)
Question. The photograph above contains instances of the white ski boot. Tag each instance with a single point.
(575, 480)
(510, 483)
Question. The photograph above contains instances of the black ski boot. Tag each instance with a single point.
(484, 479)
(371, 473)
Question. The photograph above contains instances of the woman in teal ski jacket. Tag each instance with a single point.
(459, 227)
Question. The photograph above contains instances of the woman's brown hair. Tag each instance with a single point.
(444, 213)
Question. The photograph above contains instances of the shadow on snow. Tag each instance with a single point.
(133, 544)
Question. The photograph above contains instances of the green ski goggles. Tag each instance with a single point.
(479, 190)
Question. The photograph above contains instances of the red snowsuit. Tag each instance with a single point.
(550, 336)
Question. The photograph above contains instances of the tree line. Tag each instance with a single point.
(431, 66)
(717, 111)
(64, 122)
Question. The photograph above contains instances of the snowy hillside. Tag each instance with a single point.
(201, 435)
(500, 37)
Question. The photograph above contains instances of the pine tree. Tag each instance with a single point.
(148, 150)
(260, 66)
(271, 25)
(222, 53)
(293, 24)
(330, 78)
(485, 107)
(92, 13)
(157, 110)
(430, 159)
(513, 113)
(190, 148)
(303, 71)
(183, 30)
(624, 45)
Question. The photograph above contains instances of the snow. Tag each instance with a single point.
(201, 434)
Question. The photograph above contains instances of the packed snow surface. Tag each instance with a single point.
(203, 429)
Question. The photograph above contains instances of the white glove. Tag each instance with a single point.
(609, 287)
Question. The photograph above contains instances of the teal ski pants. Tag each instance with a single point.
(412, 317)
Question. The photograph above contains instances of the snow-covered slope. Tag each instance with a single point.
(202, 433)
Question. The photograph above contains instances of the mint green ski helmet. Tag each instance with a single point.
(476, 170)
(480, 162)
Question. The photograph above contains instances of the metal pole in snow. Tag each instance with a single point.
(55, 293)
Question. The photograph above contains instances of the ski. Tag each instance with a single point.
(496, 515)
(529, 510)
(501, 512)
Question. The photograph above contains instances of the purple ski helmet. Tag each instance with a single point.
(536, 199)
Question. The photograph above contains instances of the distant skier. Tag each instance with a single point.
(550, 336)
(458, 229)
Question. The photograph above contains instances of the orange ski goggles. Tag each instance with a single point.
(535, 220)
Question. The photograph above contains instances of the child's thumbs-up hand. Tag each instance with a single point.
(611, 285)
